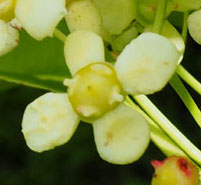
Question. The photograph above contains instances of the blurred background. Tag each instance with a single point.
(77, 162)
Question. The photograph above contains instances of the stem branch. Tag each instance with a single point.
(160, 15)
(183, 93)
(185, 27)
(189, 79)
(60, 35)
(191, 150)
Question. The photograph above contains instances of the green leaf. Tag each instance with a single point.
(36, 64)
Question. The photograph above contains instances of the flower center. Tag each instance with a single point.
(94, 90)
(7, 9)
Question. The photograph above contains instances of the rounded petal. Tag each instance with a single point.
(49, 121)
(40, 17)
(194, 26)
(83, 48)
(121, 135)
(116, 14)
(83, 15)
(146, 64)
(170, 32)
(9, 38)
(7, 9)
(184, 5)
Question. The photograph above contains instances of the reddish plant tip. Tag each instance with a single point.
(156, 163)
(184, 167)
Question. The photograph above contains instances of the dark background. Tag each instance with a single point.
(77, 162)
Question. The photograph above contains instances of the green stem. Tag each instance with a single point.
(158, 136)
(185, 27)
(60, 35)
(189, 79)
(191, 150)
(183, 93)
(160, 15)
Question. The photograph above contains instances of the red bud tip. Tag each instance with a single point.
(156, 163)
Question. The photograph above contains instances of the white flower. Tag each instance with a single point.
(9, 37)
(121, 133)
(95, 95)
(194, 26)
(40, 17)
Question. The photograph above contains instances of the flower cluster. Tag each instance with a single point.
(26, 14)
(97, 89)
(96, 94)
(9, 37)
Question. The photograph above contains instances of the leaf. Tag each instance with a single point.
(36, 64)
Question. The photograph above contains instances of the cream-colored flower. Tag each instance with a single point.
(9, 37)
(40, 17)
(96, 94)
(194, 26)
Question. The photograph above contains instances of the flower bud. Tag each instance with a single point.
(175, 171)
(40, 17)
(116, 14)
(83, 15)
(184, 5)
(9, 38)
(194, 26)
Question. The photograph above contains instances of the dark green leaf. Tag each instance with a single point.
(36, 64)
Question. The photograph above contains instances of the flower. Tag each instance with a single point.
(96, 93)
(30, 15)
(194, 26)
(9, 36)
(40, 18)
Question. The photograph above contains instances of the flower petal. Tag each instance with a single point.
(83, 48)
(121, 135)
(116, 14)
(146, 64)
(9, 38)
(49, 121)
(40, 17)
(83, 15)
(194, 26)
(170, 32)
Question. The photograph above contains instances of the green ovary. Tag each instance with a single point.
(94, 90)
(7, 8)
